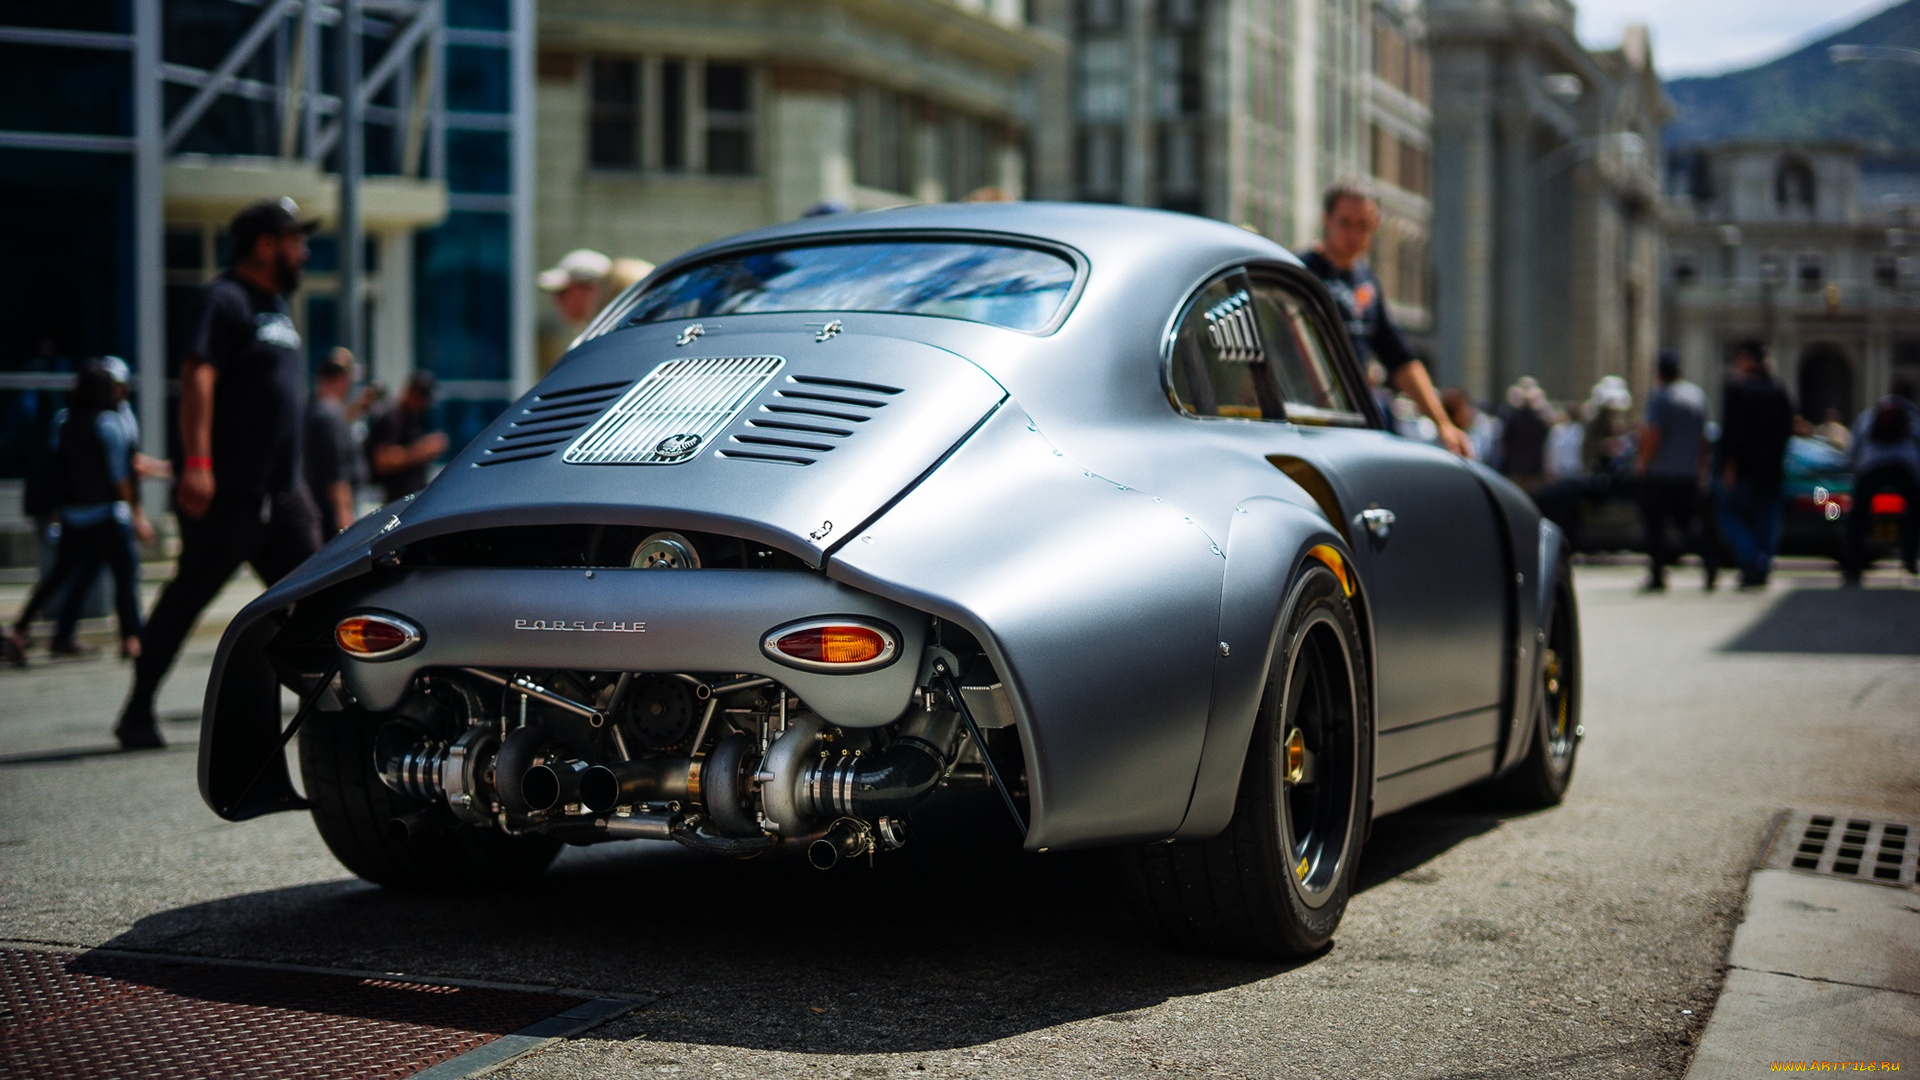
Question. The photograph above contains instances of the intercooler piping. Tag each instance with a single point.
(890, 781)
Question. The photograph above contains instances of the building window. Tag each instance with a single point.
(1099, 14)
(1400, 62)
(1793, 183)
(1100, 166)
(613, 126)
(729, 119)
(1399, 162)
(1808, 270)
(1886, 269)
(673, 115)
(883, 140)
(1683, 268)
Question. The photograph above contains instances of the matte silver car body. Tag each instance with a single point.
(1123, 564)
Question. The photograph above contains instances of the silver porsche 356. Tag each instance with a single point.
(1087, 505)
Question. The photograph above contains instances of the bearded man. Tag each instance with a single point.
(239, 496)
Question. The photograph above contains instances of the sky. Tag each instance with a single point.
(1707, 37)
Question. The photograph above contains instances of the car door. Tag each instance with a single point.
(1423, 532)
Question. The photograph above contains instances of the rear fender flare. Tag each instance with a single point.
(1271, 543)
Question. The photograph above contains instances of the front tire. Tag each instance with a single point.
(1276, 882)
(356, 815)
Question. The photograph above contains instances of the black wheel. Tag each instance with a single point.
(1276, 881)
(1542, 776)
(396, 840)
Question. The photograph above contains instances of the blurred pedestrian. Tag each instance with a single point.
(1349, 218)
(584, 281)
(1756, 419)
(1483, 431)
(1566, 444)
(94, 485)
(1673, 461)
(239, 492)
(1608, 438)
(329, 454)
(139, 530)
(1886, 459)
(1523, 438)
(399, 443)
(1834, 432)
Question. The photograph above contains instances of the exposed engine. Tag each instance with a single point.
(731, 765)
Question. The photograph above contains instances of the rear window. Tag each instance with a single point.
(1016, 287)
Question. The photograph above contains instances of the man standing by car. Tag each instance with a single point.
(1886, 459)
(239, 494)
(1347, 224)
(399, 443)
(1756, 420)
(1673, 466)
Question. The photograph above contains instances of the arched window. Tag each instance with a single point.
(1793, 183)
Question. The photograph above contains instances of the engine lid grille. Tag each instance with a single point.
(674, 411)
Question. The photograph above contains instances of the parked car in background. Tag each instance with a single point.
(1600, 512)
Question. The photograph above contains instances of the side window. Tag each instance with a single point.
(1302, 363)
(1220, 365)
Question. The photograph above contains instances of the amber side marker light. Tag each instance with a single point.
(1335, 562)
(831, 646)
(376, 637)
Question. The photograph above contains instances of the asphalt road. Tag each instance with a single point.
(1571, 942)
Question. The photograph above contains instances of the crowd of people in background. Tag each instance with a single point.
(1715, 486)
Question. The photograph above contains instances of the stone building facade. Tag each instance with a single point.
(1247, 110)
(665, 125)
(1547, 226)
(1806, 247)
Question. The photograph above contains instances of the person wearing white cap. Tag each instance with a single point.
(584, 281)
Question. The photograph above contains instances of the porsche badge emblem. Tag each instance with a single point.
(675, 447)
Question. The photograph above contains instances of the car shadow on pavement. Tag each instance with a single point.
(956, 940)
(1879, 622)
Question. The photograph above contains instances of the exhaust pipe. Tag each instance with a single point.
(844, 839)
(551, 784)
(604, 787)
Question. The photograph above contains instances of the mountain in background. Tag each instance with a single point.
(1803, 95)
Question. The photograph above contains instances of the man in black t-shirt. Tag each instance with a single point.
(1756, 419)
(240, 497)
(1347, 225)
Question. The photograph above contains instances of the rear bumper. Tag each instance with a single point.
(631, 620)
(710, 621)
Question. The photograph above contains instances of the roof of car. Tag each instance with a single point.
(1107, 235)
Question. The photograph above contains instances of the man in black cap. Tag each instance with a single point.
(240, 498)
(399, 443)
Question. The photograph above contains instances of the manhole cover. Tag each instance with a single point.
(1851, 846)
(108, 1015)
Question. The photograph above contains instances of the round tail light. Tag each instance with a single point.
(831, 645)
(376, 637)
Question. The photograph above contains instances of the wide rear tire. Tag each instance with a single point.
(356, 814)
(1276, 882)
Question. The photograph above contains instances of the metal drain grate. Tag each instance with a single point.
(1847, 846)
(102, 1015)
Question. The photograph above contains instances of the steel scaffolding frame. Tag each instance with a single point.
(313, 124)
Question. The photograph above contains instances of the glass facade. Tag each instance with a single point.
(68, 292)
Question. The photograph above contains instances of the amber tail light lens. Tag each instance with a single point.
(832, 646)
(376, 637)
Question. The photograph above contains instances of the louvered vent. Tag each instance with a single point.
(677, 409)
(807, 418)
(549, 420)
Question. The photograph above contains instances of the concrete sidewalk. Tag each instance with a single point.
(1825, 968)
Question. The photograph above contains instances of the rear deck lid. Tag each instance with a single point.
(762, 426)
